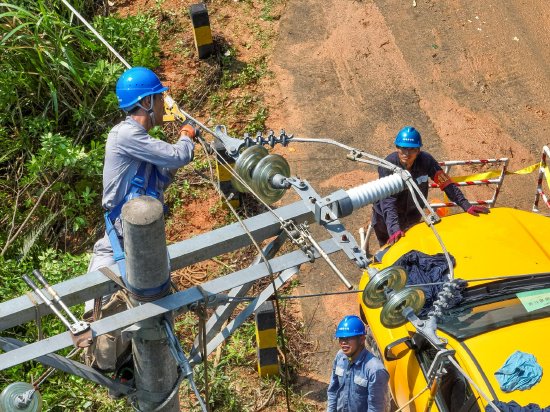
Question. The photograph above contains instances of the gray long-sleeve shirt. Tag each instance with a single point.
(128, 145)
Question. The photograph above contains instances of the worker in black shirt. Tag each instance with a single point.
(394, 215)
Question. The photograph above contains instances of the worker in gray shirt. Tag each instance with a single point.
(136, 164)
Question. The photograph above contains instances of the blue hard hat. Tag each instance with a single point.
(135, 84)
(408, 137)
(350, 326)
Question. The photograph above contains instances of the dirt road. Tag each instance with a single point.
(472, 76)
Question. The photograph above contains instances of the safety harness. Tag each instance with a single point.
(139, 186)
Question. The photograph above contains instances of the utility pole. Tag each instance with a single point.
(148, 273)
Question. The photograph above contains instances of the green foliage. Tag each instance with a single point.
(55, 266)
(134, 36)
(267, 10)
(258, 121)
(57, 94)
(223, 379)
(236, 74)
(58, 102)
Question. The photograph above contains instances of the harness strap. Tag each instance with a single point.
(139, 186)
(118, 253)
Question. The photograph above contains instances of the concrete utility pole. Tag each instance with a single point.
(147, 268)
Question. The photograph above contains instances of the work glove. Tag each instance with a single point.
(395, 237)
(475, 210)
(188, 130)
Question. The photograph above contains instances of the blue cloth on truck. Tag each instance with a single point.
(514, 407)
(423, 268)
(520, 371)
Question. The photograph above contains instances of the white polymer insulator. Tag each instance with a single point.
(373, 191)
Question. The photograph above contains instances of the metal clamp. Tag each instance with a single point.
(436, 368)
(426, 327)
(271, 140)
(231, 145)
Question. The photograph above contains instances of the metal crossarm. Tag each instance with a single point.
(223, 312)
(218, 339)
(177, 302)
(201, 247)
(69, 366)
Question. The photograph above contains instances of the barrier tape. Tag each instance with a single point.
(492, 174)
(494, 177)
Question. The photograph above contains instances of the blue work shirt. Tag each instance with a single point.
(361, 386)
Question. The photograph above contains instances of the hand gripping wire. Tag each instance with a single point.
(186, 372)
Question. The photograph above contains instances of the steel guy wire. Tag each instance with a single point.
(377, 161)
(270, 271)
(471, 381)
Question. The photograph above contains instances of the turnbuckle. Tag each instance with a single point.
(302, 237)
(81, 333)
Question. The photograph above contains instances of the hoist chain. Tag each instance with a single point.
(299, 235)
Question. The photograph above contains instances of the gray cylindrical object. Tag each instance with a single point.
(146, 268)
(373, 191)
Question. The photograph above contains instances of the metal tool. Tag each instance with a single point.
(79, 329)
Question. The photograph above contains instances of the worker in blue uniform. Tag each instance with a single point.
(394, 215)
(359, 381)
(135, 163)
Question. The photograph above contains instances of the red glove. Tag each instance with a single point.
(476, 210)
(395, 237)
(189, 131)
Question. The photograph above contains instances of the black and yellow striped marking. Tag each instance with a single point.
(224, 175)
(266, 337)
(201, 30)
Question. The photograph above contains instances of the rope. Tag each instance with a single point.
(201, 313)
(38, 318)
(412, 399)
(51, 370)
(271, 274)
